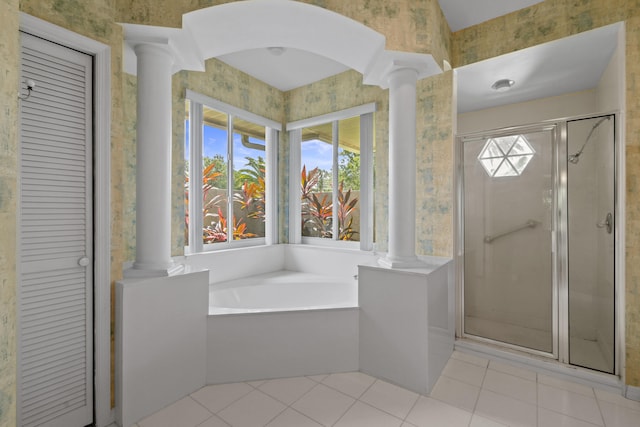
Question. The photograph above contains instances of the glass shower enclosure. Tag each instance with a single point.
(537, 219)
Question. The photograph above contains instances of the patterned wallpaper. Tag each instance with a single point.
(9, 52)
(434, 185)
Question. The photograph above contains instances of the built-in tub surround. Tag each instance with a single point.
(275, 344)
(303, 317)
(161, 342)
(251, 261)
(294, 313)
(407, 322)
(283, 291)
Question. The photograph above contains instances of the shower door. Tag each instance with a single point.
(591, 242)
(538, 222)
(508, 224)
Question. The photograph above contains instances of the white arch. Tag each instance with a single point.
(243, 25)
(250, 24)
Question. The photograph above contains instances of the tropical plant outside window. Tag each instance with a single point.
(330, 180)
(229, 182)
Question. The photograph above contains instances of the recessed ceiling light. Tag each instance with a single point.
(276, 50)
(502, 85)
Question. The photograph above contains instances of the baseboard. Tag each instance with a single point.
(632, 393)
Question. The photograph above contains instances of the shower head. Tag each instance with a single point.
(575, 158)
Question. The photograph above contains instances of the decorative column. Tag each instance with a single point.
(153, 161)
(402, 82)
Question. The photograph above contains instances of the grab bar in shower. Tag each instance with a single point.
(529, 224)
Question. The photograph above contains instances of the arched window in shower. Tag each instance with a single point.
(538, 211)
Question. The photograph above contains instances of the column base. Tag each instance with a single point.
(140, 272)
(404, 262)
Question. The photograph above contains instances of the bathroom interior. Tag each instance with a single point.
(519, 230)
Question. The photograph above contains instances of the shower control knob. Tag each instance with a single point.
(83, 262)
(607, 223)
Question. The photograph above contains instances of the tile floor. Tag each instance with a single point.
(472, 392)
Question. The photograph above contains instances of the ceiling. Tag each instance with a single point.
(464, 13)
(571, 64)
(567, 65)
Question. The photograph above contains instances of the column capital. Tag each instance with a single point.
(389, 63)
(156, 47)
(177, 42)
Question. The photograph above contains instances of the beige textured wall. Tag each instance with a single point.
(435, 166)
(551, 20)
(9, 48)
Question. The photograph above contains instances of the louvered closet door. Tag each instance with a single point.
(55, 354)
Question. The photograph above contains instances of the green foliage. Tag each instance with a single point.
(220, 168)
(251, 181)
(349, 169)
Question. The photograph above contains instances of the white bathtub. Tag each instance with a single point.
(282, 291)
(281, 324)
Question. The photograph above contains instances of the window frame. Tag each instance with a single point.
(196, 121)
(366, 113)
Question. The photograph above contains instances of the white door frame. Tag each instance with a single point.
(102, 201)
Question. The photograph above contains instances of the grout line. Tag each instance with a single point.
(303, 395)
(599, 408)
(382, 410)
(225, 407)
(413, 407)
(345, 412)
(200, 404)
(276, 415)
(340, 391)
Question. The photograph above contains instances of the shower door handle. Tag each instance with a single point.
(608, 223)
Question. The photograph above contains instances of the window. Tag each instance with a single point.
(506, 156)
(229, 176)
(332, 165)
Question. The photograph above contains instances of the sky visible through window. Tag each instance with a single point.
(317, 153)
(314, 152)
(215, 143)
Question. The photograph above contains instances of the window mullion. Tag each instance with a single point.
(295, 202)
(366, 182)
(196, 220)
(230, 183)
(271, 186)
(334, 182)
